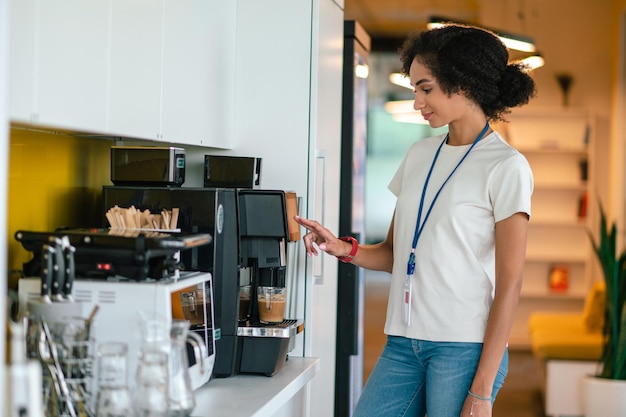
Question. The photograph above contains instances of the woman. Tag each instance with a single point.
(457, 239)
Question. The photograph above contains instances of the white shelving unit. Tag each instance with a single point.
(558, 144)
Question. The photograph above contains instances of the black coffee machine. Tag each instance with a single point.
(212, 211)
(250, 234)
(264, 234)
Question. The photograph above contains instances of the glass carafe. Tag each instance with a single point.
(172, 339)
(181, 395)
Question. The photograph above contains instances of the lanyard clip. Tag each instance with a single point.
(410, 268)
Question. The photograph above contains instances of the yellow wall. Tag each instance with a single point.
(55, 180)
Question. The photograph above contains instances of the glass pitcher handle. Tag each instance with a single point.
(199, 349)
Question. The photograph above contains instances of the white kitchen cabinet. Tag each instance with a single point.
(23, 43)
(171, 71)
(59, 63)
(559, 148)
(196, 99)
(272, 102)
(136, 69)
(141, 69)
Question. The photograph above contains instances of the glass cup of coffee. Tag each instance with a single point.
(271, 302)
(244, 302)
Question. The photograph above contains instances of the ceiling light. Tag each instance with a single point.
(415, 118)
(401, 80)
(403, 111)
(400, 106)
(511, 41)
(362, 71)
(533, 61)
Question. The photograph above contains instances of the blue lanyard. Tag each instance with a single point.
(420, 225)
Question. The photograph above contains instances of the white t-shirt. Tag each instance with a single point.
(453, 285)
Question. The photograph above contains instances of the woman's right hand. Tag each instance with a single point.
(320, 237)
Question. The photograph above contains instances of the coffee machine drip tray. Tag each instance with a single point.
(286, 329)
(263, 348)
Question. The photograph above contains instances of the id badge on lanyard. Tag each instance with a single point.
(407, 290)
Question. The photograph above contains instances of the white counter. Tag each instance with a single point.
(254, 395)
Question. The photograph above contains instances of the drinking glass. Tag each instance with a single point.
(244, 302)
(113, 399)
(151, 398)
(271, 301)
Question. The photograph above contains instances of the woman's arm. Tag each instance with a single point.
(510, 254)
(377, 257)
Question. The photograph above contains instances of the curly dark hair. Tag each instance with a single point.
(471, 61)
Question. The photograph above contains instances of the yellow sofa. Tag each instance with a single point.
(567, 347)
(576, 336)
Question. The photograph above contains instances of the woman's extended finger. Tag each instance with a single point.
(306, 223)
(308, 240)
(315, 227)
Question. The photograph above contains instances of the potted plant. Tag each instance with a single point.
(604, 394)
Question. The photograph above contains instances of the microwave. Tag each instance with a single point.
(159, 166)
(120, 302)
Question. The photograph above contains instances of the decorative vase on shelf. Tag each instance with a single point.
(565, 81)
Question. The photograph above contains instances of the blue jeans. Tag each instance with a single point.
(413, 378)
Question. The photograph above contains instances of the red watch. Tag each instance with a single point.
(355, 248)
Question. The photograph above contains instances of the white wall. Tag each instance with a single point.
(4, 150)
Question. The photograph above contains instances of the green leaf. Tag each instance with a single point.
(614, 271)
